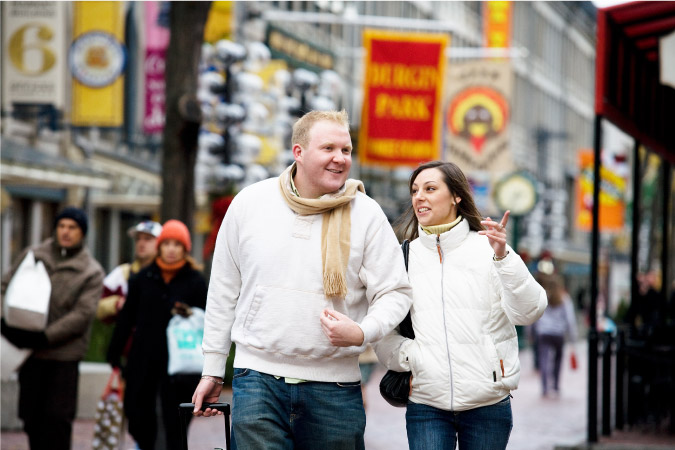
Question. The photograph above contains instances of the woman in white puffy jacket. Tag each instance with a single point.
(469, 290)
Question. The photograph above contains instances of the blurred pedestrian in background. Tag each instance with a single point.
(115, 284)
(367, 364)
(647, 314)
(170, 285)
(306, 272)
(469, 290)
(557, 324)
(48, 380)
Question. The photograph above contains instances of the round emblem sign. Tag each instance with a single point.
(96, 58)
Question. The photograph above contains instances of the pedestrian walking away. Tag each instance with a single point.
(306, 272)
(469, 290)
(76, 284)
(172, 284)
(556, 325)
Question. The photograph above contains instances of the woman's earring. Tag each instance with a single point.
(454, 204)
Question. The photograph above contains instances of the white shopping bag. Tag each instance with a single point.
(184, 338)
(26, 302)
(12, 358)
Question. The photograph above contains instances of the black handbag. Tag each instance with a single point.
(395, 386)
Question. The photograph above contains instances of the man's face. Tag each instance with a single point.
(324, 165)
(68, 233)
(146, 246)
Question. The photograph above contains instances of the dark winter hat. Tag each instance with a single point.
(77, 215)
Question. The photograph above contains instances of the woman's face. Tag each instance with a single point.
(432, 200)
(171, 251)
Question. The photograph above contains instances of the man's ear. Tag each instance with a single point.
(297, 152)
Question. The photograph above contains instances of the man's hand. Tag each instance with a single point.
(207, 391)
(340, 329)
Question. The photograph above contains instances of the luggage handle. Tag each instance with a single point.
(185, 411)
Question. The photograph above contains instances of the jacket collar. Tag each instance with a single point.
(450, 240)
(50, 253)
(154, 271)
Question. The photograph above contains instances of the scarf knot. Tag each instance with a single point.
(335, 228)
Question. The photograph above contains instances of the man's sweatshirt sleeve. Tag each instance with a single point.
(222, 296)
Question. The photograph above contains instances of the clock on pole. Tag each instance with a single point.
(517, 193)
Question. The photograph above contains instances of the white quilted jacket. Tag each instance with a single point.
(465, 306)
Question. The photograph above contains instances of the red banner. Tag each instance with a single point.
(403, 84)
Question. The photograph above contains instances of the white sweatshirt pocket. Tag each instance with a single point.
(286, 322)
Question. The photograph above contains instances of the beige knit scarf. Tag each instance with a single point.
(335, 229)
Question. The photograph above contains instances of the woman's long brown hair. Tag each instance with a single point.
(407, 224)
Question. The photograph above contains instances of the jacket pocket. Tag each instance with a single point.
(286, 322)
(508, 364)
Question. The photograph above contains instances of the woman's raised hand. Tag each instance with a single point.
(496, 234)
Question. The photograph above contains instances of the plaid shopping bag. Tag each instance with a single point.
(109, 427)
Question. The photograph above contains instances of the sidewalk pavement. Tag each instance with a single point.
(539, 423)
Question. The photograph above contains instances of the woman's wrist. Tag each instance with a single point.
(499, 258)
(213, 379)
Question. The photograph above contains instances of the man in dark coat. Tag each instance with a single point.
(48, 379)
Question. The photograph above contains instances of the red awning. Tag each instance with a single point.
(627, 87)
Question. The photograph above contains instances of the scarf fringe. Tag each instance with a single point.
(334, 285)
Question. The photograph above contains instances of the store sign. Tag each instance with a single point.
(298, 52)
(33, 42)
(478, 115)
(612, 192)
(96, 60)
(403, 83)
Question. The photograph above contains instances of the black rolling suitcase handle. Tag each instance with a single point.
(185, 411)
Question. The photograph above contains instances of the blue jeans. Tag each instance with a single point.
(269, 414)
(484, 428)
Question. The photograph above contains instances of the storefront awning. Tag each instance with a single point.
(22, 164)
(628, 91)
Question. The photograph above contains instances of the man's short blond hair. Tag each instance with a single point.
(302, 127)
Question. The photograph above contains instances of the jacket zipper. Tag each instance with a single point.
(445, 325)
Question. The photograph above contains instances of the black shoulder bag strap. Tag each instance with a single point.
(405, 328)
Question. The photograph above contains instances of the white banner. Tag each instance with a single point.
(33, 45)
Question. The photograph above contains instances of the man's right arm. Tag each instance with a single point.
(223, 293)
(221, 299)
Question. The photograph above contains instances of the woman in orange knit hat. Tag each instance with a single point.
(171, 285)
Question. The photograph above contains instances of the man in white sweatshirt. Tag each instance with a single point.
(306, 272)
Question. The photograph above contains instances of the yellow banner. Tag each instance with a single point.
(497, 23)
(612, 190)
(96, 58)
(219, 23)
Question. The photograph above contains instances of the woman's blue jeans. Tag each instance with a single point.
(484, 428)
(270, 414)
